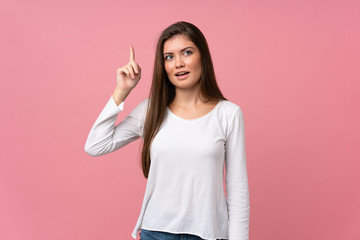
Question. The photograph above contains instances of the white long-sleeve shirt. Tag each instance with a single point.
(184, 191)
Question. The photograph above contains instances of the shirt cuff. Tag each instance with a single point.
(120, 106)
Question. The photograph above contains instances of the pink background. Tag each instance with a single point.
(292, 66)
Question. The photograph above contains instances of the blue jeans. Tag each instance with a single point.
(159, 235)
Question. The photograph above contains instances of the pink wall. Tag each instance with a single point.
(293, 67)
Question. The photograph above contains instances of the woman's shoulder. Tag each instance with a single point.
(139, 111)
(229, 107)
(231, 114)
(144, 102)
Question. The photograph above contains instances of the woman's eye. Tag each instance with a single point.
(188, 52)
(168, 57)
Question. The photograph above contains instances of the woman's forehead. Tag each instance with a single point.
(177, 43)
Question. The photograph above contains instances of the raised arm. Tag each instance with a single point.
(236, 180)
(104, 136)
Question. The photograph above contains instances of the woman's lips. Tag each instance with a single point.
(182, 76)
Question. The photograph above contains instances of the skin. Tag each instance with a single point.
(128, 77)
(181, 54)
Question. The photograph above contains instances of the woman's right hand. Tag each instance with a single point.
(129, 75)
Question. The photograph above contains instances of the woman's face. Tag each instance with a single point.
(182, 56)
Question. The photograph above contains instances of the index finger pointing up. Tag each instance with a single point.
(132, 53)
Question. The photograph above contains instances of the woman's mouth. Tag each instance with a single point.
(182, 75)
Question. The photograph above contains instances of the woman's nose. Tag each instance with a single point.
(179, 62)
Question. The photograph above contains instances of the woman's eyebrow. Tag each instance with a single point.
(180, 51)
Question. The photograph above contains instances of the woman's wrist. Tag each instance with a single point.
(120, 95)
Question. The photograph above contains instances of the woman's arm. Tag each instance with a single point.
(105, 137)
(236, 180)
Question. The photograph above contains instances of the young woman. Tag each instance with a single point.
(189, 132)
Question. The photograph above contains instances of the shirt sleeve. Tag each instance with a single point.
(105, 137)
(236, 180)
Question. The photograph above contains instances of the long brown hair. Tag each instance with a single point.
(162, 91)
